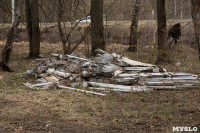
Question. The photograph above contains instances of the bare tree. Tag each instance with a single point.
(65, 38)
(134, 26)
(162, 55)
(32, 20)
(195, 5)
(97, 29)
(10, 38)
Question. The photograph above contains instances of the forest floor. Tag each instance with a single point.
(25, 110)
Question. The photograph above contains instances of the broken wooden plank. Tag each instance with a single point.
(180, 74)
(55, 55)
(42, 84)
(62, 74)
(126, 80)
(90, 92)
(173, 87)
(100, 51)
(116, 73)
(59, 62)
(134, 63)
(51, 71)
(41, 69)
(170, 78)
(167, 83)
(109, 89)
(75, 57)
(35, 86)
(86, 64)
(103, 59)
(121, 87)
(52, 79)
(138, 68)
(28, 85)
(125, 75)
(41, 80)
(135, 75)
(110, 68)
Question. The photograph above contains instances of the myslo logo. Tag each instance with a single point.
(185, 129)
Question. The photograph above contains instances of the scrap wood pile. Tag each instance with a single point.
(106, 72)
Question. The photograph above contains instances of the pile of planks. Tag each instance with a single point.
(106, 72)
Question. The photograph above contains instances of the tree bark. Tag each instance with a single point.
(29, 24)
(162, 52)
(13, 10)
(97, 29)
(10, 38)
(65, 38)
(35, 39)
(62, 35)
(195, 5)
(134, 26)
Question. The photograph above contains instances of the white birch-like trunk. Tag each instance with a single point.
(13, 10)
(175, 8)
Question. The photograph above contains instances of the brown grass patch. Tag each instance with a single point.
(24, 110)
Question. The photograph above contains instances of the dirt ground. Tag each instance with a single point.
(25, 110)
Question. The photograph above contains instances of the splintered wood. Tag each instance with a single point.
(106, 72)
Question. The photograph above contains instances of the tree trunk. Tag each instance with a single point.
(29, 24)
(10, 38)
(62, 35)
(65, 38)
(196, 20)
(162, 55)
(13, 10)
(134, 26)
(35, 38)
(97, 29)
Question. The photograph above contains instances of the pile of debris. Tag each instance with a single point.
(106, 72)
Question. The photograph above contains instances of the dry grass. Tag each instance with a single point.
(24, 110)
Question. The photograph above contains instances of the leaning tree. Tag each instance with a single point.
(10, 38)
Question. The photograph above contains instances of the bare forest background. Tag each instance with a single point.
(161, 32)
(114, 10)
(117, 16)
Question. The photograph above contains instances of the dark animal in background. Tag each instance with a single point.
(175, 32)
